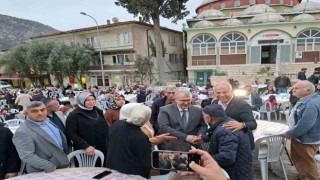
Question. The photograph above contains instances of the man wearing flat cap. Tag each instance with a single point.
(237, 109)
(229, 148)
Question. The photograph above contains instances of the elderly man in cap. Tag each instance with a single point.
(231, 149)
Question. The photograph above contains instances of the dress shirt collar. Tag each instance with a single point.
(38, 123)
(226, 104)
(180, 109)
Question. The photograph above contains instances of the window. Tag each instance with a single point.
(106, 80)
(233, 43)
(309, 40)
(96, 60)
(237, 3)
(223, 5)
(173, 58)
(120, 59)
(172, 41)
(268, 2)
(252, 2)
(124, 38)
(92, 41)
(203, 45)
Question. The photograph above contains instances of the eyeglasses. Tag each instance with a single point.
(185, 100)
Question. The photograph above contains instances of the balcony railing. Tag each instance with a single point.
(203, 62)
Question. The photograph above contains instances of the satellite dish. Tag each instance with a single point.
(115, 20)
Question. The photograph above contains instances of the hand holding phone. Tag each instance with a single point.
(173, 160)
(209, 170)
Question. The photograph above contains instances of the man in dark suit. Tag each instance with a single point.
(41, 145)
(181, 119)
(237, 109)
(302, 74)
(157, 104)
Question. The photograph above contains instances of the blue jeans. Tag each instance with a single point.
(282, 90)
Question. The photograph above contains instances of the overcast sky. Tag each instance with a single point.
(65, 14)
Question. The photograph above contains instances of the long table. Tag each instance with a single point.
(77, 174)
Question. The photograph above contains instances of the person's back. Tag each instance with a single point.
(232, 151)
(129, 149)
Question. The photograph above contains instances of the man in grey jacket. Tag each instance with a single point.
(182, 120)
(304, 130)
(40, 143)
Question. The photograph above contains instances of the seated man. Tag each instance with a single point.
(40, 143)
(9, 159)
(181, 119)
(252, 98)
(231, 149)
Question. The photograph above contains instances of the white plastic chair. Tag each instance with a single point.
(256, 115)
(13, 122)
(268, 110)
(270, 151)
(285, 109)
(86, 161)
(148, 97)
(104, 104)
(2, 118)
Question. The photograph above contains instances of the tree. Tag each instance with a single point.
(143, 68)
(28, 60)
(153, 9)
(78, 63)
(37, 58)
(154, 50)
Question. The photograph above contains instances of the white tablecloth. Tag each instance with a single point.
(76, 174)
(267, 128)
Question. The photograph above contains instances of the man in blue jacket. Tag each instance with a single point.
(304, 130)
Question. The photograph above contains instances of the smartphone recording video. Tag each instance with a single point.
(173, 160)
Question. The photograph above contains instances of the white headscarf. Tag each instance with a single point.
(126, 110)
(139, 115)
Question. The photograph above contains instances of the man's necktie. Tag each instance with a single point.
(184, 119)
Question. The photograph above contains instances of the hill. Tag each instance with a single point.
(15, 30)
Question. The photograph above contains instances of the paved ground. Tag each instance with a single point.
(276, 167)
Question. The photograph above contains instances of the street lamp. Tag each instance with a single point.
(99, 44)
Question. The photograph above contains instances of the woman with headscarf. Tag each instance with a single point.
(86, 126)
(114, 105)
(129, 149)
(146, 128)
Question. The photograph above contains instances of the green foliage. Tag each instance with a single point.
(220, 73)
(150, 9)
(143, 68)
(158, 83)
(46, 57)
(265, 71)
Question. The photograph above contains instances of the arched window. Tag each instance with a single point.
(308, 40)
(233, 43)
(203, 44)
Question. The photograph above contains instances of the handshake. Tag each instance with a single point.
(194, 139)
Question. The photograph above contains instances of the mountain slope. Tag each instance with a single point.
(15, 30)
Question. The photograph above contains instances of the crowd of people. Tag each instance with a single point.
(127, 132)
